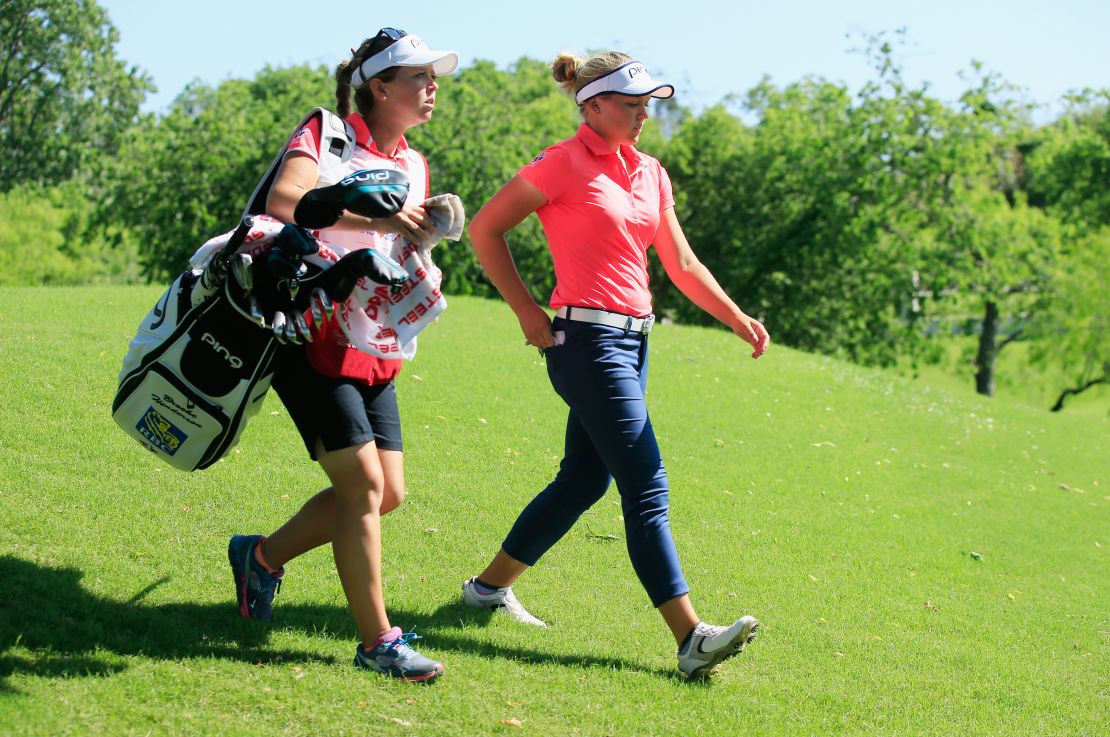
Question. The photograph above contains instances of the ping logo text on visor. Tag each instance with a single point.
(631, 79)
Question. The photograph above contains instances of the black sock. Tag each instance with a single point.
(486, 586)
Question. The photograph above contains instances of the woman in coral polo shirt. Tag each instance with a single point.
(602, 203)
(342, 400)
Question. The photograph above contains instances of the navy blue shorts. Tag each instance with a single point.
(340, 412)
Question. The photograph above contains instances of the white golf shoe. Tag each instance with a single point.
(709, 645)
(501, 601)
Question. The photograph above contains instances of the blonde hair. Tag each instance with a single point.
(573, 72)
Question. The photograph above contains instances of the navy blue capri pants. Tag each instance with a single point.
(601, 373)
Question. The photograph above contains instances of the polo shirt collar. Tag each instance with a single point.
(598, 147)
(362, 138)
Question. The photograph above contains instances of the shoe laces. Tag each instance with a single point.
(709, 630)
(267, 582)
(399, 648)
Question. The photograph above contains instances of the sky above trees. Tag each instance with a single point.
(708, 48)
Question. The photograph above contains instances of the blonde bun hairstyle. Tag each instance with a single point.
(573, 72)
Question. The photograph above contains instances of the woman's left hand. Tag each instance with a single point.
(753, 332)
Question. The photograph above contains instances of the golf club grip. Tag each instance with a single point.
(228, 252)
(237, 238)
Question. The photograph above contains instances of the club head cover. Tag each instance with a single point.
(373, 193)
(340, 279)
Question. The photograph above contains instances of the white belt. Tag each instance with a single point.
(640, 325)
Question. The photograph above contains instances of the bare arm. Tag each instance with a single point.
(695, 281)
(299, 173)
(504, 211)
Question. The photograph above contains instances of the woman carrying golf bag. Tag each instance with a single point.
(342, 400)
(602, 203)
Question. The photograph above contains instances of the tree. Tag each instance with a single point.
(817, 214)
(65, 99)
(705, 161)
(1077, 325)
(1068, 172)
(998, 258)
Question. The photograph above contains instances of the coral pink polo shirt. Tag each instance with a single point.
(599, 219)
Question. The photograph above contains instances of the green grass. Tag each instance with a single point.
(840, 505)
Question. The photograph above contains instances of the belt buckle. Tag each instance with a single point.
(649, 321)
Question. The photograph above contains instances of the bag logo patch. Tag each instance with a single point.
(161, 433)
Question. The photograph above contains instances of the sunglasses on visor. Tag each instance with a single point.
(391, 34)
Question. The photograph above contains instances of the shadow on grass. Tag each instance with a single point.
(68, 632)
(441, 630)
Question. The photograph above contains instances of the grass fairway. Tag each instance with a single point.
(924, 562)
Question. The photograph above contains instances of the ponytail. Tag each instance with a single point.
(565, 71)
(343, 74)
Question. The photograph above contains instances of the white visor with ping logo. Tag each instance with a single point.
(409, 51)
(631, 79)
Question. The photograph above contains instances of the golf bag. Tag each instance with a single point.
(200, 365)
(193, 376)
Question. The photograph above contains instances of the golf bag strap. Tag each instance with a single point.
(337, 145)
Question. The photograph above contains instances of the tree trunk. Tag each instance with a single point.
(988, 351)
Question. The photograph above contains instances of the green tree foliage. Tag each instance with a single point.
(65, 99)
(1069, 166)
(1068, 172)
(706, 161)
(851, 220)
(1000, 259)
(991, 253)
(1076, 322)
(45, 238)
(185, 177)
(816, 216)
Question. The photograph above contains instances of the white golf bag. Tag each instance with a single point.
(194, 375)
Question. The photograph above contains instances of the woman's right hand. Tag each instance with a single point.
(536, 326)
(409, 223)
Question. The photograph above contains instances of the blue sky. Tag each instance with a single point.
(707, 48)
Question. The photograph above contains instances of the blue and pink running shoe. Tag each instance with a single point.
(393, 657)
(255, 586)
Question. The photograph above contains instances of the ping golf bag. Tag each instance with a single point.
(201, 362)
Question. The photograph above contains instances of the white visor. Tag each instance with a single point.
(410, 51)
(631, 79)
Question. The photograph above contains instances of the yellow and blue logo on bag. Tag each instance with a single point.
(160, 432)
